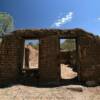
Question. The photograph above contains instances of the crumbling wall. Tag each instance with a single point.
(20, 53)
(27, 52)
(49, 66)
(89, 58)
(12, 51)
(8, 59)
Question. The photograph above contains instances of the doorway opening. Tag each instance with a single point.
(31, 54)
(30, 70)
(68, 58)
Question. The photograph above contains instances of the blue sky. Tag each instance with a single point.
(61, 14)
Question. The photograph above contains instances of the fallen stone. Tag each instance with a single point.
(76, 88)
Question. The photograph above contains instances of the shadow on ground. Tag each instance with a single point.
(30, 79)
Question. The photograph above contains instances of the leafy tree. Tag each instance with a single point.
(6, 23)
(68, 45)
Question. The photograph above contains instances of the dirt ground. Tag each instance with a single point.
(70, 92)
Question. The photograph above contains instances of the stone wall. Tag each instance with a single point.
(90, 59)
(8, 59)
(49, 66)
(87, 60)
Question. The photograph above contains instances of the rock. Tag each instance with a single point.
(76, 88)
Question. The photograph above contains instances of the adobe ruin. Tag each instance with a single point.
(86, 56)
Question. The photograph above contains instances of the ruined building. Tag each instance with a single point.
(86, 55)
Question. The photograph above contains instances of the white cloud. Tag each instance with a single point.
(98, 18)
(61, 21)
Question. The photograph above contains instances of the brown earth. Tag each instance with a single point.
(70, 92)
(67, 72)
